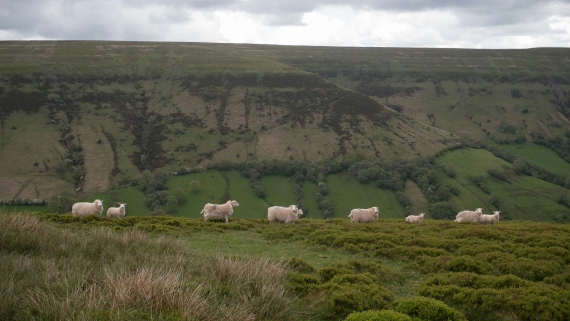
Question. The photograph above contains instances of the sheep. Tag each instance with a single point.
(219, 211)
(490, 218)
(82, 209)
(284, 214)
(117, 212)
(363, 215)
(469, 216)
(415, 218)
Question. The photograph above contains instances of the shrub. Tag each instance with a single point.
(356, 292)
(498, 174)
(441, 211)
(194, 187)
(61, 203)
(301, 283)
(427, 309)
(299, 265)
(374, 315)
(564, 200)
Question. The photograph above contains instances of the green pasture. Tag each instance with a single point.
(279, 190)
(250, 206)
(311, 206)
(469, 162)
(346, 193)
(524, 197)
(540, 156)
(211, 189)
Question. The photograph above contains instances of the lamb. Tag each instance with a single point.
(284, 214)
(82, 209)
(117, 212)
(469, 216)
(219, 211)
(415, 218)
(363, 215)
(490, 218)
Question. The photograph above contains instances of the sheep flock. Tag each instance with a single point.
(289, 214)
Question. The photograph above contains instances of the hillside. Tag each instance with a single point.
(83, 116)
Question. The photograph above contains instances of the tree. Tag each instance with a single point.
(61, 203)
(179, 195)
(194, 187)
(441, 211)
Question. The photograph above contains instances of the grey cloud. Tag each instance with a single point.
(102, 20)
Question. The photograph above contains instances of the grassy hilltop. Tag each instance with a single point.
(87, 118)
(172, 268)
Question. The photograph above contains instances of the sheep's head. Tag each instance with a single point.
(497, 214)
(299, 213)
(294, 208)
(422, 215)
(479, 211)
(122, 207)
(375, 211)
(99, 204)
(234, 203)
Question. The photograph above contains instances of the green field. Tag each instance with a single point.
(540, 156)
(524, 197)
(347, 193)
(520, 197)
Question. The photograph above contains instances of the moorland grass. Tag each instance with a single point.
(49, 272)
(324, 269)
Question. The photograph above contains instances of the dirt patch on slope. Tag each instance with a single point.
(98, 157)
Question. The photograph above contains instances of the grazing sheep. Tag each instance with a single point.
(83, 209)
(219, 211)
(283, 214)
(490, 218)
(469, 216)
(415, 218)
(117, 212)
(363, 215)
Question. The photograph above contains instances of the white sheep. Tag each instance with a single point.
(219, 211)
(284, 214)
(363, 215)
(117, 212)
(469, 216)
(490, 218)
(415, 218)
(82, 209)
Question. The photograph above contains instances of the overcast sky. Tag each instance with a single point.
(362, 23)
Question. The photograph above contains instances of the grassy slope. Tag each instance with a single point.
(103, 85)
(540, 156)
(526, 197)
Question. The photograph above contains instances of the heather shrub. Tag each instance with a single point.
(355, 292)
(302, 283)
(427, 309)
(375, 315)
(488, 297)
(299, 265)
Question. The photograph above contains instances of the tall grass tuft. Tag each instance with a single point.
(49, 272)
